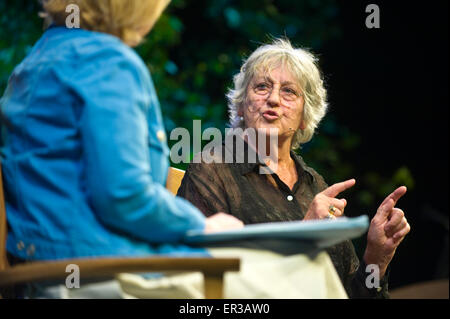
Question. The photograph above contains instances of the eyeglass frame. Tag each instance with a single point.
(280, 92)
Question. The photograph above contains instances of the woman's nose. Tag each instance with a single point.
(274, 97)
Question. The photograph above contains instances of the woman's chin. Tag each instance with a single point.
(267, 126)
(273, 130)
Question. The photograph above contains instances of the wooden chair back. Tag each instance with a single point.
(174, 178)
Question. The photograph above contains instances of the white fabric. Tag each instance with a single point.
(263, 274)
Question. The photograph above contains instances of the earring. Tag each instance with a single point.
(241, 118)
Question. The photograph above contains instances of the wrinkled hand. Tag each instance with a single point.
(319, 207)
(221, 221)
(387, 230)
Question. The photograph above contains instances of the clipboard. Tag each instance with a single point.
(319, 233)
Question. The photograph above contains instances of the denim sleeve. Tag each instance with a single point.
(118, 171)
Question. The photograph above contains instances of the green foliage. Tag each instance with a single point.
(20, 27)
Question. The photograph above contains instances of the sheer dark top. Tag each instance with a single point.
(240, 190)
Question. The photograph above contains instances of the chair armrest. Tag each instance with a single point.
(102, 267)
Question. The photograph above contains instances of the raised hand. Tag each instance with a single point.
(320, 206)
(387, 230)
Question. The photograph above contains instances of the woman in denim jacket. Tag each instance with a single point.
(84, 153)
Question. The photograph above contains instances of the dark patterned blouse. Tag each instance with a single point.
(239, 189)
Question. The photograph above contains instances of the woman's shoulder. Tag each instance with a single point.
(79, 48)
(211, 161)
(92, 45)
(208, 159)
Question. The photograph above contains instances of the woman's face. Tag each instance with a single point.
(274, 100)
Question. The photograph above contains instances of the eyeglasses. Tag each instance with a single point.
(286, 92)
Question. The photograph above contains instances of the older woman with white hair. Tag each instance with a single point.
(280, 87)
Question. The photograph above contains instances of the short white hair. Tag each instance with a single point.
(303, 66)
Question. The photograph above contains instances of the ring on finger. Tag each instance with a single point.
(331, 209)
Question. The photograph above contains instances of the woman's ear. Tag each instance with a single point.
(302, 125)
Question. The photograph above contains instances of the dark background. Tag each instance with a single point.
(388, 90)
(390, 86)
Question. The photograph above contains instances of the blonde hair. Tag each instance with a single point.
(303, 66)
(124, 19)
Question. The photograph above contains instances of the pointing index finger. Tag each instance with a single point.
(395, 195)
(337, 188)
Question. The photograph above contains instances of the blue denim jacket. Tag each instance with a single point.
(84, 156)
